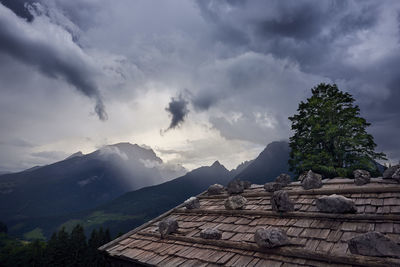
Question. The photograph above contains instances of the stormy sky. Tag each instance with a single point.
(197, 81)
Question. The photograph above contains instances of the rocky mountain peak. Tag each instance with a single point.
(76, 154)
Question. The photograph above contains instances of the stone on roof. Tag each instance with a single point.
(392, 172)
(273, 186)
(281, 202)
(283, 179)
(210, 233)
(246, 184)
(167, 226)
(361, 177)
(336, 204)
(215, 189)
(374, 244)
(235, 202)
(270, 238)
(192, 203)
(311, 180)
(396, 175)
(235, 187)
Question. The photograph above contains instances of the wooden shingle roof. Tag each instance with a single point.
(316, 238)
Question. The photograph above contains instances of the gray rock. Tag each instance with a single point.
(270, 238)
(192, 203)
(311, 180)
(396, 175)
(283, 179)
(361, 173)
(272, 187)
(235, 202)
(361, 181)
(389, 172)
(361, 177)
(215, 189)
(235, 187)
(336, 204)
(246, 184)
(167, 226)
(374, 244)
(281, 202)
(210, 233)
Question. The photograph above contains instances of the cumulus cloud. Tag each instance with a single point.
(111, 151)
(50, 49)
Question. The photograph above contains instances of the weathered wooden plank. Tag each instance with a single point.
(310, 215)
(320, 191)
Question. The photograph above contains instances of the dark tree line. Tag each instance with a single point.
(62, 249)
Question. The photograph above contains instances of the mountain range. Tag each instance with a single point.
(271, 162)
(81, 181)
(98, 189)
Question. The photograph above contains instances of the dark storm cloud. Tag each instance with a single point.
(299, 22)
(301, 30)
(19, 8)
(391, 105)
(385, 117)
(325, 38)
(21, 41)
(178, 109)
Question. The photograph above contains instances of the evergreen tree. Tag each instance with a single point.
(94, 239)
(3, 228)
(59, 249)
(107, 237)
(97, 239)
(330, 136)
(100, 236)
(36, 253)
(51, 254)
(62, 249)
(78, 246)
